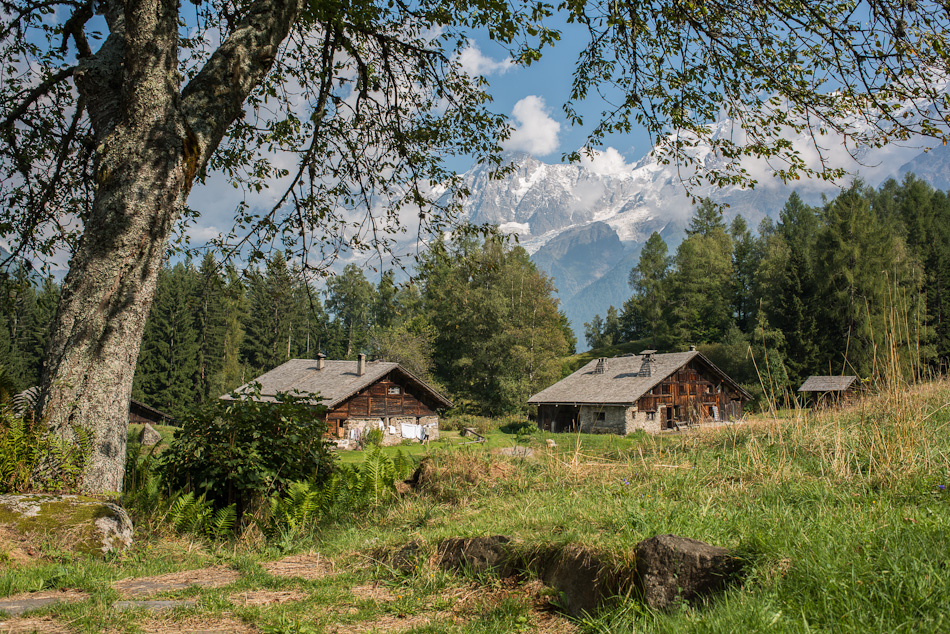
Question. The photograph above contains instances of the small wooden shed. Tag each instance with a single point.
(829, 389)
(648, 391)
(140, 413)
(361, 396)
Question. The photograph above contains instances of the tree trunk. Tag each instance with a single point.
(152, 138)
(110, 287)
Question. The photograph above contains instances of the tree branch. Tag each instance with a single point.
(35, 94)
(215, 97)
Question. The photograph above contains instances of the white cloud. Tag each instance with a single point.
(201, 234)
(607, 163)
(474, 62)
(535, 131)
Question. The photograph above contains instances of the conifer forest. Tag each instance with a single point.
(819, 290)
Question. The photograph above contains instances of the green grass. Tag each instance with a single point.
(839, 514)
(167, 432)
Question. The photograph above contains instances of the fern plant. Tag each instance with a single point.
(33, 458)
(349, 489)
(197, 516)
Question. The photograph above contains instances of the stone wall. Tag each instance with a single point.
(641, 420)
(363, 425)
(616, 419)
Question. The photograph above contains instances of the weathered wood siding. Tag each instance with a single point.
(378, 401)
(689, 396)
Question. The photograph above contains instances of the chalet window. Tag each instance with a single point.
(394, 389)
(651, 415)
(708, 389)
(666, 388)
(601, 416)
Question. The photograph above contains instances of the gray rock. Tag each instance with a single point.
(584, 578)
(673, 569)
(154, 605)
(21, 603)
(149, 436)
(409, 557)
(115, 528)
(82, 523)
(478, 554)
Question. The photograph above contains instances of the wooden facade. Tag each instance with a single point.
(390, 397)
(141, 414)
(692, 394)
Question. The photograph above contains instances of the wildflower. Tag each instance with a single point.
(941, 486)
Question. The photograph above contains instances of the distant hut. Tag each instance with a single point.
(648, 391)
(141, 414)
(820, 390)
(360, 396)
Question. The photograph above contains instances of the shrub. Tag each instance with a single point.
(373, 437)
(517, 425)
(239, 451)
(481, 424)
(350, 488)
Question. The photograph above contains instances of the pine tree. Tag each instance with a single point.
(211, 324)
(269, 333)
(350, 298)
(643, 314)
(701, 288)
(168, 362)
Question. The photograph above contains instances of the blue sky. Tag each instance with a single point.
(533, 98)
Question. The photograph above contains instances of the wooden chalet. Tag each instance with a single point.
(829, 389)
(361, 396)
(648, 391)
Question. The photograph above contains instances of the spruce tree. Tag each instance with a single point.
(211, 324)
(168, 362)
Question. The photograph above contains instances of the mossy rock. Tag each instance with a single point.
(77, 523)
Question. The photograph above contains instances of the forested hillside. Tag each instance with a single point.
(825, 290)
(477, 318)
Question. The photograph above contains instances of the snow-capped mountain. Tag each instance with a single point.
(585, 225)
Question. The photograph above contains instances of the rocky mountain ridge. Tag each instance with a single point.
(585, 225)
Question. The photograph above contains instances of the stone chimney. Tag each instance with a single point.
(601, 366)
(646, 368)
(360, 364)
(692, 348)
(321, 358)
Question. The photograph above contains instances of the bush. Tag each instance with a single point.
(481, 424)
(351, 488)
(373, 437)
(239, 451)
(517, 425)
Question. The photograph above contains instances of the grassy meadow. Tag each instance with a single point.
(842, 517)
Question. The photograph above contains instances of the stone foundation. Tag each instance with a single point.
(391, 426)
(617, 419)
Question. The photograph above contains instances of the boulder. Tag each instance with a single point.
(409, 557)
(671, 569)
(149, 436)
(79, 523)
(584, 578)
(478, 554)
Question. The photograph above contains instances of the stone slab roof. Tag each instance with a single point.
(621, 382)
(827, 383)
(336, 382)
